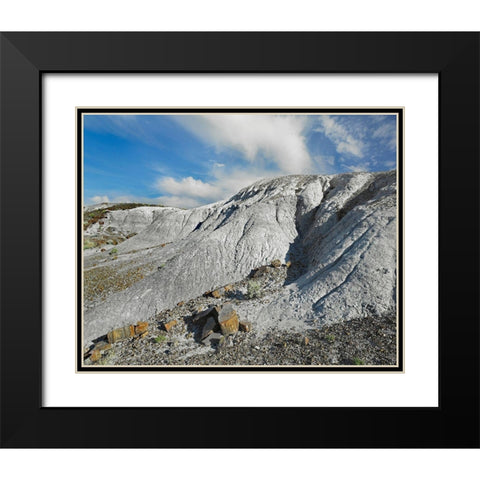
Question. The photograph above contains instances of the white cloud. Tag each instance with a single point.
(233, 181)
(99, 199)
(115, 198)
(179, 201)
(190, 192)
(390, 164)
(359, 167)
(188, 186)
(261, 139)
(276, 138)
(345, 142)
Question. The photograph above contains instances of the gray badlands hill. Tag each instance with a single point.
(339, 232)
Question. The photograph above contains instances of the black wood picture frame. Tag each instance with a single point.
(26, 57)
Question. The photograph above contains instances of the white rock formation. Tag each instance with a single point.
(340, 232)
(126, 221)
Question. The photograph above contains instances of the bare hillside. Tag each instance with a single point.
(337, 235)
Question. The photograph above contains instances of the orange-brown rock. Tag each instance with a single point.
(179, 304)
(120, 334)
(245, 326)
(228, 319)
(306, 341)
(288, 264)
(141, 327)
(95, 355)
(228, 288)
(103, 346)
(276, 263)
(169, 325)
(216, 294)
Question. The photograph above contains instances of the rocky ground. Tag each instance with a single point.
(174, 336)
(301, 270)
(338, 231)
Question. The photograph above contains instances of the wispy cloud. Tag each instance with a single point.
(200, 159)
(387, 132)
(259, 138)
(340, 135)
(136, 127)
(325, 163)
(359, 167)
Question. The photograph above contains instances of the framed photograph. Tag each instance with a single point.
(247, 258)
(280, 227)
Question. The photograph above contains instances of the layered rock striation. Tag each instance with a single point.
(339, 232)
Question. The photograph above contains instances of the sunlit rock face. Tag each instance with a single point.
(339, 232)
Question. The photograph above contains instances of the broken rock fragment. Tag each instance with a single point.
(245, 326)
(126, 332)
(228, 319)
(96, 355)
(98, 350)
(209, 327)
(169, 325)
(120, 334)
(141, 328)
(213, 311)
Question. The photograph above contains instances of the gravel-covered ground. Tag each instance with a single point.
(357, 342)
(366, 341)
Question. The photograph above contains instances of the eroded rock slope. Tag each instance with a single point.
(338, 231)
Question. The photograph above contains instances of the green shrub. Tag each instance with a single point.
(160, 339)
(253, 289)
(330, 338)
(358, 361)
(113, 251)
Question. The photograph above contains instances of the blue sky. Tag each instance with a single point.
(190, 160)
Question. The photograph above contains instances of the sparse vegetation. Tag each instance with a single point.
(160, 339)
(87, 243)
(358, 361)
(330, 338)
(253, 289)
(113, 251)
(104, 280)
